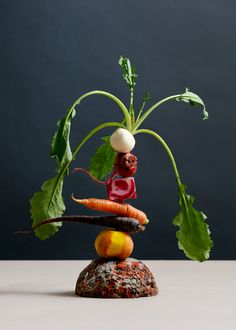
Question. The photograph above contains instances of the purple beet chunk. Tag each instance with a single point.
(106, 278)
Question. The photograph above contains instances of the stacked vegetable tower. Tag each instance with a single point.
(131, 277)
(120, 187)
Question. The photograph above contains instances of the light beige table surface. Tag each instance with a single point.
(40, 295)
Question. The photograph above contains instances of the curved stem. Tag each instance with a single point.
(80, 169)
(90, 134)
(159, 138)
(61, 174)
(147, 113)
(110, 96)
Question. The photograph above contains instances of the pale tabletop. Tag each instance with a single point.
(40, 295)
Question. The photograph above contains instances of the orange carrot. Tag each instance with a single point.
(105, 205)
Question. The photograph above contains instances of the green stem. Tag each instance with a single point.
(110, 96)
(182, 193)
(159, 138)
(62, 172)
(147, 113)
(131, 106)
(87, 137)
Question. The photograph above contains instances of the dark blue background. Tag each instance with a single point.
(54, 51)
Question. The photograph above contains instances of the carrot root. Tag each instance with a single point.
(108, 206)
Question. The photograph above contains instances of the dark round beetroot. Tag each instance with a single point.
(126, 164)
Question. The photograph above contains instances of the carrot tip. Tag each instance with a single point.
(146, 222)
(75, 199)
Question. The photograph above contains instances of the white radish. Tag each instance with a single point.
(122, 140)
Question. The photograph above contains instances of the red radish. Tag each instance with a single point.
(121, 189)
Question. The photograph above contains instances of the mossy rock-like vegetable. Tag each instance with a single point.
(104, 278)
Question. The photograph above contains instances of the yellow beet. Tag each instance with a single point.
(114, 244)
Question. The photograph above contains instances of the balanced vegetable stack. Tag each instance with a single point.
(114, 160)
(120, 187)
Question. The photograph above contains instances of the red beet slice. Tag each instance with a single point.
(121, 189)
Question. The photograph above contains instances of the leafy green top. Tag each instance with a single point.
(193, 234)
(129, 72)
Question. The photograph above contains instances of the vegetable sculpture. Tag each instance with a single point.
(114, 156)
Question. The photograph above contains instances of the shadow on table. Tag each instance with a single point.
(15, 292)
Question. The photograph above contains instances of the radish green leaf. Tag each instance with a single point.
(195, 100)
(193, 234)
(60, 146)
(102, 162)
(45, 204)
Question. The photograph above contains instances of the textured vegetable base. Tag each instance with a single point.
(106, 278)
